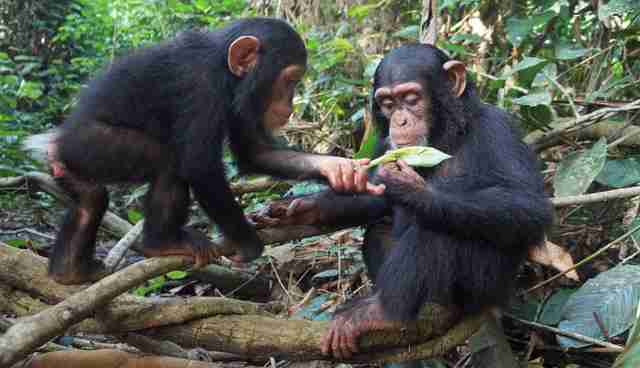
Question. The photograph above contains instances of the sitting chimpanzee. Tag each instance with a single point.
(459, 230)
(161, 115)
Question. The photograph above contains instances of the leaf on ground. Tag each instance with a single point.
(553, 255)
(577, 171)
(620, 173)
(612, 296)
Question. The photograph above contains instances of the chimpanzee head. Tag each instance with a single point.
(269, 59)
(419, 97)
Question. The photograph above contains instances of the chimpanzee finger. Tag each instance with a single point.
(375, 189)
(325, 342)
(345, 351)
(348, 171)
(335, 180)
(336, 347)
(360, 180)
(294, 207)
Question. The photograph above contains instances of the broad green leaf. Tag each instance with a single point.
(31, 90)
(552, 310)
(525, 63)
(371, 67)
(631, 356)
(565, 52)
(619, 7)
(526, 309)
(360, 11)
(17, 243)
(542, 78)
(612, 295)
(620, 173)
(202, 5)
(410, 32)
(342, 44)
(414, 156)
(518, 30)
(369, 142)
(576, 172)
(534, 99)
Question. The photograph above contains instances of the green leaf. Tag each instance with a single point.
(542, 78)
(552, 311)
(565, 52)
(342, 44)
(612, 295)
(17, 243)
(410, 33)
(518, 30)
(619, 7)
(620, 173)
(177, 275)
(371, 67)
(315, 310)
(414, 156)
(631, 357)
(134, 216)
(31, 90)
(526, 63)
(534, 99)
(360, 11)
(202, 5)
(578, 170)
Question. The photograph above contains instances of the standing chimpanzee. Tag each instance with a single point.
(161, 115)
(460, 230)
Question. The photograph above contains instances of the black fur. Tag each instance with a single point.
(460, 240)
(161, 115)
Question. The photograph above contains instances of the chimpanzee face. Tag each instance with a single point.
(408, 108)
(280, 104)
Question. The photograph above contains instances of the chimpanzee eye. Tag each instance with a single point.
(411, 99)
(386, 103)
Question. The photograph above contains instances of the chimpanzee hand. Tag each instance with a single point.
(346, 175)
(299, 211)
(400, 179)
(341, 340)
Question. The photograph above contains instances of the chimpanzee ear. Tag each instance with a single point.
(243, 55)
(457, 72)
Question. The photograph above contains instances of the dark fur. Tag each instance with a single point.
(161, 115)
(461, 239)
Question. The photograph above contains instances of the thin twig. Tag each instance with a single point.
(571, 335)
(596, 197)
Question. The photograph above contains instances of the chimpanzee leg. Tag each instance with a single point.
(376, 246)
(415, 270)
(72, 259)
(166, 212)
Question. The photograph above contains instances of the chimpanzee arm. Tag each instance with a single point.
(286, 163)
(498, 196)
(200, 163)
(331, 208)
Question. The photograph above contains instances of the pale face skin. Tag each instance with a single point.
(406, 107)
(280, 106)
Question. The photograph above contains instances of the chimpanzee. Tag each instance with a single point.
(161, 115)
(460, 230)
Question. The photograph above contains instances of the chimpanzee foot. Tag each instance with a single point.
(193, 245)
(93, 271)
(341, 340)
